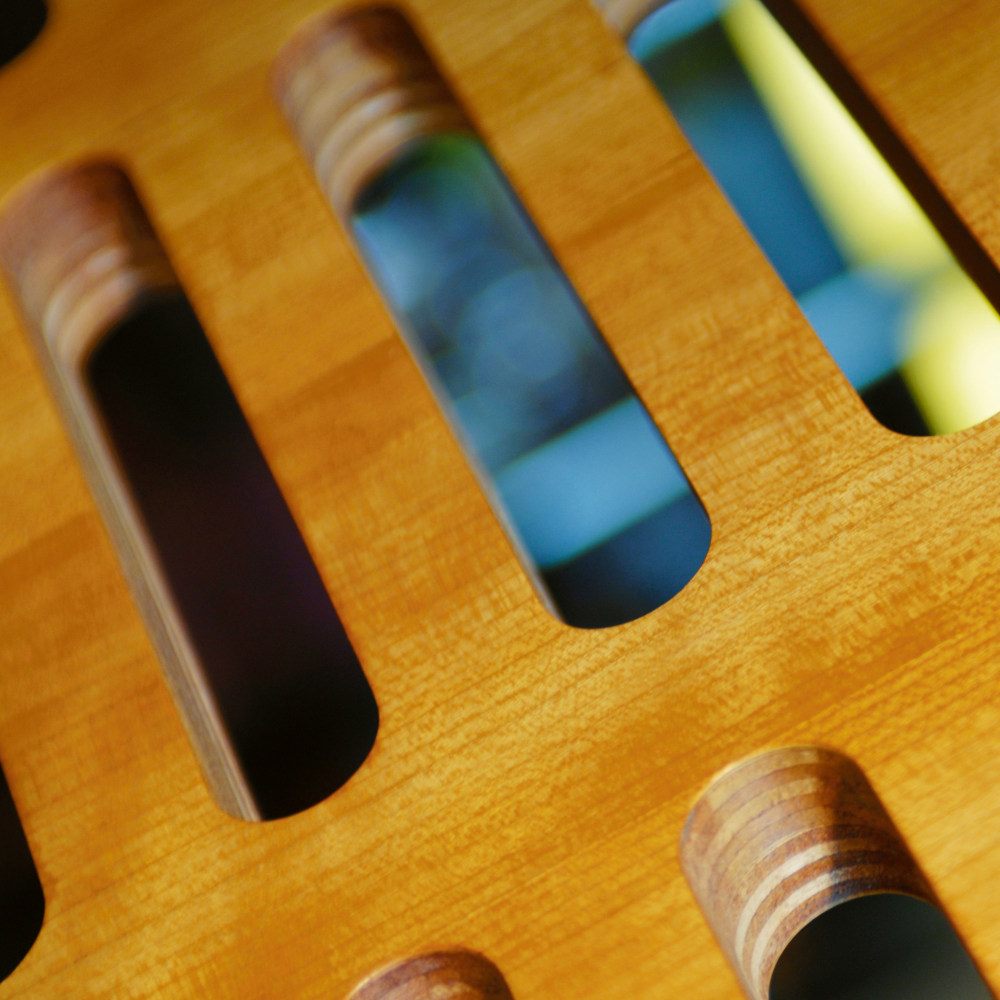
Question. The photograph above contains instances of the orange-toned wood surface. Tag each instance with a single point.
(529, 783)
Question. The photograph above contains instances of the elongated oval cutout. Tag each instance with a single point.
(261, 668)
(22, 905)
(21, 22)
(811, 890)
(889, 294)
(588, 491)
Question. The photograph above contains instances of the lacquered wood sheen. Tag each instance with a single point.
(529, 784)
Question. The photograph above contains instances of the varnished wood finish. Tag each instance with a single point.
(444, 975)
(530, 783)
(778, 839)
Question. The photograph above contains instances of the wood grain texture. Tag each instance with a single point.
(781, 838)
(530, 782)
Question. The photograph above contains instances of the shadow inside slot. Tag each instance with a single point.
(274, 655)
(22, 905)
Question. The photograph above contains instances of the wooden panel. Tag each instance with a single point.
(529, 784)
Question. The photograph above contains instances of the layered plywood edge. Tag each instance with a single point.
(529, 784)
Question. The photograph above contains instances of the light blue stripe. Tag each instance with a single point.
(589, 484)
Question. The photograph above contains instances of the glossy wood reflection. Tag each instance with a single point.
(530, 781)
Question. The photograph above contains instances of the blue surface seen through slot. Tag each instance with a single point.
(875, 280)
(568, 455)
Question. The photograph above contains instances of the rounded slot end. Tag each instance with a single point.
(78, 250)
(358, 87)
(441, 975)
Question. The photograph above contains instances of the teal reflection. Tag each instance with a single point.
(847, 239)
(570, 458)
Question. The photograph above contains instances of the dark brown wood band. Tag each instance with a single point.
(78, 250)
(357, 88)
(780, 838)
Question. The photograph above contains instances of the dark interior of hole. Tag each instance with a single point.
(21, 22)
(288, 684)
(878, 947)
(22, 905)
(635, 571)
(891, 403)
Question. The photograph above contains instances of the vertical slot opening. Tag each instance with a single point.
(21, 22)
(587, 489)
(22, 905)
(260, 665)
(879, 947)
(581, 476)
(888, 292)
(273, 653)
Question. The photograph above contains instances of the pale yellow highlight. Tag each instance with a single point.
(953, 366)
(871, 215)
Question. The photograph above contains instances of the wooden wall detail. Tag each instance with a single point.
(782, 837)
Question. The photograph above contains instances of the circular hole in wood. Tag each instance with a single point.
(884, 946)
